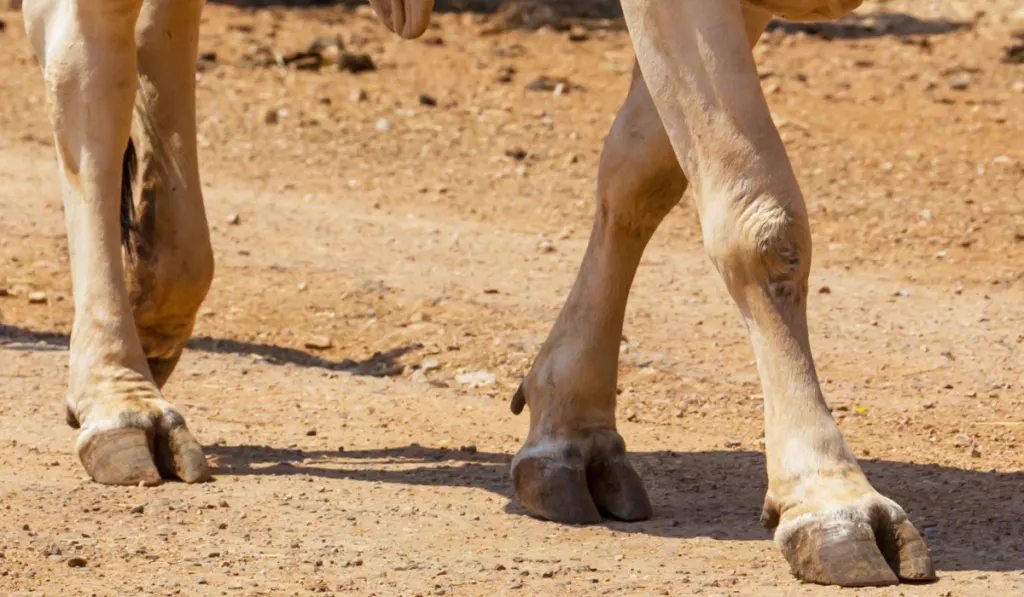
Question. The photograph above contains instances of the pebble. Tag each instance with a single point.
(200, 581)
(959, 81)
(824, 290)
(76, 562)
(235, 219)
(37, 298)
(319, 342)
(426, 100)
(138, 509)
(928, 404)
(476, 379)
(355, 63)
(383, 124)
(975, 452)
(430, 365)
(310, 432)
(357, 95)
(271, 116)
(733, 443)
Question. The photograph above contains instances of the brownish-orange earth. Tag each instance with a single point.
(432, 245)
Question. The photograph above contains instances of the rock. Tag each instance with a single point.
(206, 61)
(319, 342)
(52, 550)
(310, 432)
(357, 95)
(962, 440)
(430, 365)
(959, 80)
(235, 219)
(200, 581)
(516, 153)
(470, 449)
(476, 379)
(355, 63)
(548, 83)
(138, 509)
(271, 116)
(546, 246)
(975, 452)
(733, 443)
(426, 100)
(56, 558)
(825, 290)
(928, 405)
(505, 74)
(578, 34)
(76, 562)
(311, 60)
(383, 125)
(37, 297)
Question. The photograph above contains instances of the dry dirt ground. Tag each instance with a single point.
(433, 245)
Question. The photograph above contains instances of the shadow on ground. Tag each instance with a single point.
(380, 364)
(972, 520)
(534, 14)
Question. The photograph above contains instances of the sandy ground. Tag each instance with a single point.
(433, 241)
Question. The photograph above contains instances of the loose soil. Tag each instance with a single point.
(388, 266)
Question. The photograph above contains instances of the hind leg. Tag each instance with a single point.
(573, 466)
(168, 261)
(130, 434)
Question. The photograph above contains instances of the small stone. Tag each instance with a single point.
(56, 558)
(825, 290)
(928, 404)
(426, 100)
(733, 443)
(546, 246)
(310, 432)
(357, 95)
(138, 509)
(383, 125)
(233, 219)
(476, 379)
(271, 116)
(962, 440)
(319, 342)
(37, 298)
(515, 585)
(52, 550)
(470, 449)
(516, 153)
(355, 63)
(577, 34)
(223, 504)
(76, 562)
(975, 452)
(200, 581)
(430, 365)
(499, 567)
(959, 80)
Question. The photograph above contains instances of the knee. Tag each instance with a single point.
(758, 238)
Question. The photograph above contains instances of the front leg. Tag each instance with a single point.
(832, 526)
(130, 433)
(573, 466)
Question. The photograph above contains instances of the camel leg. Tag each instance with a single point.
(130, 434)
(168, 258)
(831, 524)
(573, 465)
